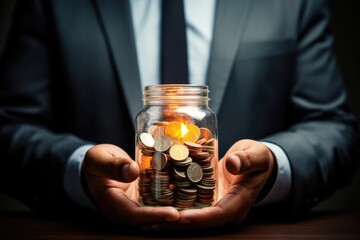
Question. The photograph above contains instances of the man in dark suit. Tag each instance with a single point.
(71, 79)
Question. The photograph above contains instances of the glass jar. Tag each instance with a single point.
(177, 147)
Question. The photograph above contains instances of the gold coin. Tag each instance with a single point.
(195, 132)
(189, 137)
(173, 130)
(179, 152)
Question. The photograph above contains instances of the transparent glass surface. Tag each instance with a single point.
(177, 147)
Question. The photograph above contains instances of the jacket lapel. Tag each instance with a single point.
(115, 18)
(231, 16)
(229, 25)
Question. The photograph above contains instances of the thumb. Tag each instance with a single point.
(246, 161)
(110, 161)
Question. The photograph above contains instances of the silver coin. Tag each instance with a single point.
(180, 173)
(188, 191)
(151, 129)
(147, 140)
(186, 162)
(158, 161)
(162, 143)
(194, 172)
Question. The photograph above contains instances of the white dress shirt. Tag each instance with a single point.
(199, 30)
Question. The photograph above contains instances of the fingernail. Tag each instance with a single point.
(125, 171)
(235, 162)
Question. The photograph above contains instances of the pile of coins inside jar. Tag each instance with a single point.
(176, 165)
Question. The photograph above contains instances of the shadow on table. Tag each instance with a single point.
(90, 225)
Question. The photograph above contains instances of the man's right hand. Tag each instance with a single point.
(110, 175)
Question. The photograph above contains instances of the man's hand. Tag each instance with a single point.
(243, 172)
(110, 175)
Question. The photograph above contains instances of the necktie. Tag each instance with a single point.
(174, 67)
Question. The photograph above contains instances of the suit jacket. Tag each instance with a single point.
(69, 76)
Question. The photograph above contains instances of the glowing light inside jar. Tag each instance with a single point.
(184, 130)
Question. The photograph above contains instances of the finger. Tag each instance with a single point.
(231, 208)
(122, 210)
(192, 219)
(155, 215)
(120, 169)
(205, 217)
(245, 161)
(111, 162)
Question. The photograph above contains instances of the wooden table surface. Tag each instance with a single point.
(318, 225)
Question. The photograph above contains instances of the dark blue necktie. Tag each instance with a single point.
(174, 67)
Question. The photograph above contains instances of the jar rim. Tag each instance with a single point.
(160, 94)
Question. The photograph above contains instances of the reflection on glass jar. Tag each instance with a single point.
(176, 147)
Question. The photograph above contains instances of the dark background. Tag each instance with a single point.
(346, 29)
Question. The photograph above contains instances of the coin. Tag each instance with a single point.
(147, 140)
(151, 130)
(179, 152)
(202, 141)
(173, 130)
(189, 191)
(193, 133)
(208, 148)
(147, 151)
(162, 123)
(204, 188)
(194, 172)
(201, 155)
(179, 173)
(189, 136)
(162, 143)
(158, 132)
(186, 162)
(210, 142)
(183, 183)
(185, 197)
(159, 161)
(176, 165)
(193, 145)
(205, 133)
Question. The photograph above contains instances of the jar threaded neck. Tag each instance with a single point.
(165, 94)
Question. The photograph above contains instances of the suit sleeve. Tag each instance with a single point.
(322, 141)
(33, 152)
